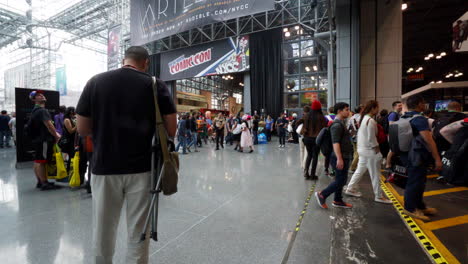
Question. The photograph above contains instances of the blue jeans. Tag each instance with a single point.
(5, 134)
(182, 142)
(193, 140)
(341, 178)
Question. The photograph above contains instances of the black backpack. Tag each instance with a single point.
(386, 124)
(448, 118)
(28, 130)
(324, 141)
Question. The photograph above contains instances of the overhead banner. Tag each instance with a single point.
(460, 34)
(151, 20)
(61, 81)
(113, 48)
(220, 57)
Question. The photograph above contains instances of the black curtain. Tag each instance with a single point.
(266, 71)
(155, 65)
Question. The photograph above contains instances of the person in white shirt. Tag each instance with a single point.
(369, 154)
(12, 125)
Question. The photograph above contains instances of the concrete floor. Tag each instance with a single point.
(231, 208)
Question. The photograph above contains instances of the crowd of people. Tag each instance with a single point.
(7, 129)
(356, 142)
(364, 140)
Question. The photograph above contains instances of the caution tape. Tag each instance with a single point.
(298, 224)
(428, 246)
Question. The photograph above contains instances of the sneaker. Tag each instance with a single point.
(352, 193)
(418, 214)
(38, 185)
(429, 211)
(321, 200)
(280, 146)
(342, 205)
(48, 186)
(314, 177)
(383, 200)
(251, 151)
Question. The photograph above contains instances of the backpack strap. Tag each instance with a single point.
(160, 129)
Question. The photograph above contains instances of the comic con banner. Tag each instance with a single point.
(155, 19)
(220, 57)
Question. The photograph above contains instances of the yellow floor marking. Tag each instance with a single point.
(459, 220)
(433, 176)
(449, 190)
(433, 238)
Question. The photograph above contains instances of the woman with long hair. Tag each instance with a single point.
(369, 154)
(67, 143)
(313, 123)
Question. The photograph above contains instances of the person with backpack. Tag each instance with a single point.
(454, 114)
(411, 138)
(43, 136)
(314, 121)
(392, 117)
(182, 134)
(340, 158)
(369, 154)
(455, 167)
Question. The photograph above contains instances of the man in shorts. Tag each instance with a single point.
(43, 137)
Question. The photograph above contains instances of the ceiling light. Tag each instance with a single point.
(443, 53)
(302, 31)
(459, 74)
(307, 68)
(410, 70)
(438, 57)
(296, 27)
(315, 67)
(309, 53)
(439, 81)
(432, 82)
(420, 68)
(287, 34)
(285, 29)
(404, 6)
(430, 55)
(313, 78)
(448, 75)
(427, 58)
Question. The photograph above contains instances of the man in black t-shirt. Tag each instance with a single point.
(43, 137)
(117, 107)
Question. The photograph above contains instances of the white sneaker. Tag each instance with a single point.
(383, 200)
(353, 193)
(280, 146)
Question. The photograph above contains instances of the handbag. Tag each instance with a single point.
(75, 171)
(170, 168)
(299, 129)
(55, 169)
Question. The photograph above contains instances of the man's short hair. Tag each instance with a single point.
(4, 112)
(395, 103)
(413, 101)
(454, 106)
(358, 109)
(330, 110)
(340, 107)
(136, 53)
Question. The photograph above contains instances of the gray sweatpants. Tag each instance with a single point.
(110, 193)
